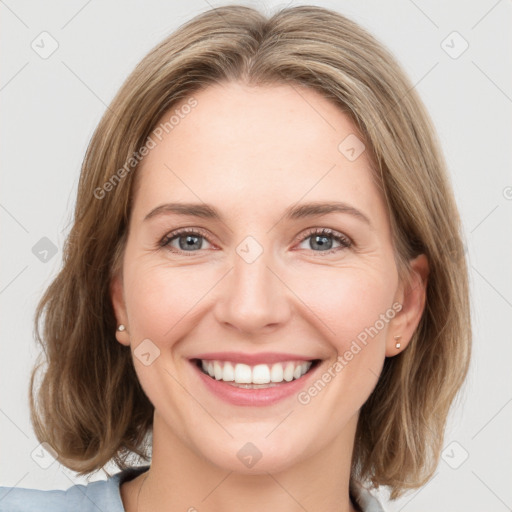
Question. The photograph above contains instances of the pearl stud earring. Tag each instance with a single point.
(121, 327)
(397, 339)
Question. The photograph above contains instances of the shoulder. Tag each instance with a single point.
(364, 499)
(94, 496)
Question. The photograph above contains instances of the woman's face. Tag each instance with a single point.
(257, 286)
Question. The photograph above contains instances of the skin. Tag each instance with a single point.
(251, 153)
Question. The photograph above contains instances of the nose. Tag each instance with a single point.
(254, 298)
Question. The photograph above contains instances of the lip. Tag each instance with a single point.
(253, 359)
(254, 397)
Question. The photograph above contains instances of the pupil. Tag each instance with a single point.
(323, 242)
(190, 242)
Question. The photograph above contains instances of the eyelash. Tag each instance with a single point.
(345, 242)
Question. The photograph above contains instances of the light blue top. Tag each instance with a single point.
(105, 496)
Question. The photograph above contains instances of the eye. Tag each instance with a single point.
(191, 240)
(188, 241)
(321, 238)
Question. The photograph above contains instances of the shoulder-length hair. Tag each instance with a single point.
(89, 405)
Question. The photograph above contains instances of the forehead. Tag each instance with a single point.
(256, 148)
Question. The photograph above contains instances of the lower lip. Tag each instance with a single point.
(256, 396)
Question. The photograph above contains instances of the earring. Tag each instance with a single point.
(397, 339)
(121, 327)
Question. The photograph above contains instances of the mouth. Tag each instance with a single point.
(257, 376)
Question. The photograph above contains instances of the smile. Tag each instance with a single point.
(260, 375)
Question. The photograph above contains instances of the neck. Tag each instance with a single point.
(180, 479)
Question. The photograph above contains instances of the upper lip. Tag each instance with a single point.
(253, 359)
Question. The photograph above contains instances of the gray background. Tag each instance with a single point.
(50, 107)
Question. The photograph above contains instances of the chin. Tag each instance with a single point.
(254, 455)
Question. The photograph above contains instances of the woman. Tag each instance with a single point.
(256, 288)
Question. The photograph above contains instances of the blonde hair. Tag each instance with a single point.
(90, 406)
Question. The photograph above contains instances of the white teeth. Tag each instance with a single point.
(228, 373)
(217, 370)
(288, 372)
(243, 374)
(276, 374)
(261, 374)
(258, 374)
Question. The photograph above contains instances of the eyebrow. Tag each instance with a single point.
(299, 211)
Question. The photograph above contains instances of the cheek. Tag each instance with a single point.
(354, 307)
(347, 300)
(162, 300)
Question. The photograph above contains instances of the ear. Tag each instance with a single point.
(412, 296)
(118, 303)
